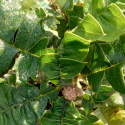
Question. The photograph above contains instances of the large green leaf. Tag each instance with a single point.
(99, 62)
(22, 31)
(114, 70)
(60, 68)
(64, 112)
(89, 28)
(23, 105)
(110, 18)
(65, 64)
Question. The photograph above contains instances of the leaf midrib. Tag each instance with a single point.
(104, 69)
(20, 49)
(28, 101)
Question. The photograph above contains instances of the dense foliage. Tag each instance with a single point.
(62, 62)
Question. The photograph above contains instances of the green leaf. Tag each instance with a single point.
(11, 12)
(68, 5)
(29, 32)
(60, 3)
(78, 11)
(121, 6)
(112, 19)
(50, 65)
(26, 66)
(23, 105)
(115, 77)
(51, 19)
(63, 112)
(52, 23)
(105, 88)
(40, 13)
(93, 7)
(6, 55)
(91, 117)
(89, 29)
(115, 71)
(65, 4)
(77, 52)
(73, 21)
(99, 62)
(121, 1)
(109, 17)
(2, 80)
(54, 40)
(61, 68)
(101, 97)
(29, 4)
(29, 29)
(22, 31)
(87, 104)
(115, 51)
(74, 16)
(95, 81)
(62, 27)
(19, 107)
(117, 100)
(26, 24)
(70, 68)
(45, 88)
(39, 48)
(48, 118)
(110, 115)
